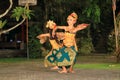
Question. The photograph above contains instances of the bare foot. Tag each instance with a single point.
(54, 68)
(62, 71)
(71, 71)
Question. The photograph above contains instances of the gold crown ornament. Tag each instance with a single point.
(50, 24)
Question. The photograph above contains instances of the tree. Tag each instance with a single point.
(7, 10)
(2, 23)
(18, 13)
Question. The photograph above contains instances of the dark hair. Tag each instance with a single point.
(55, 37)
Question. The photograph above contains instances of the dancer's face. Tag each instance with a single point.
(71, 21)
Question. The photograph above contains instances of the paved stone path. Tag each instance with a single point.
(36, 71)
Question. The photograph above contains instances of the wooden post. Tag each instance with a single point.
(27, 33)
(27, 3)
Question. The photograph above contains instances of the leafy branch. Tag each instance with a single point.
(19, 13)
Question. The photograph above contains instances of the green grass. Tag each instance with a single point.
(98, 66)
(78, 66)
(4, 60)
(14, 60)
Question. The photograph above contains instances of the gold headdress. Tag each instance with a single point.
(74, 15)
(50, 24)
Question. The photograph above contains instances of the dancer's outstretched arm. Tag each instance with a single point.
(43, 35)
(81, 27)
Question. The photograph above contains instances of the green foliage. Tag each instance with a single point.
(111, 43)
(93, 12)
(18, 12)
(2, 23)
(28, 13)
(86, 46)
(34, 44)
(34, 49)
(21, 12)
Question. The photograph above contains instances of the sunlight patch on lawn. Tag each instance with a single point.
(97, 66)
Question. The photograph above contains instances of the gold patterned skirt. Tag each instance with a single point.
(66, 56)
(50, 59)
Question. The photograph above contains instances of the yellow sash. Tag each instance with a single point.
(54, 44)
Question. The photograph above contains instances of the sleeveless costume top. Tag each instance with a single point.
(69, 39)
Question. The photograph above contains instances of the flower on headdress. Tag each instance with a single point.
(74, 15)
(50, 24)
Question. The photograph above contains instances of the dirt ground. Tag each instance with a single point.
(34, 70)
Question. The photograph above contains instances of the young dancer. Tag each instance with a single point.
(67, 54)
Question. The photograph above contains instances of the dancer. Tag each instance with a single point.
(68, 52)
(55, 43)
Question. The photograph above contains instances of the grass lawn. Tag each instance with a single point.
(15, 60)
(98, 66)
(84, 65)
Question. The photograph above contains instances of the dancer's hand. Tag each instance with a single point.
(81, 27)
(83, 24)
(53, 32)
